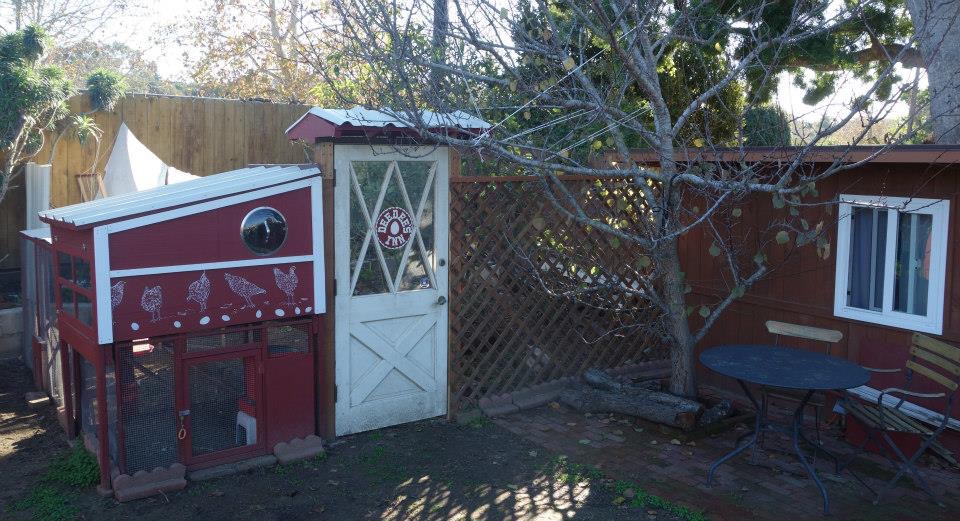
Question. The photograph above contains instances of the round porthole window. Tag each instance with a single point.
(263, 230)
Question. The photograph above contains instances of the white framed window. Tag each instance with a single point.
(892, 261)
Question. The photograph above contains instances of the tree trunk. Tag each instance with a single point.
(683, 380)
(937, 26)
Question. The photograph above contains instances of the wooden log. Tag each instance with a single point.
(603, 381)
(650, 405)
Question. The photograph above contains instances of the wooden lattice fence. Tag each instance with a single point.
(515, 260)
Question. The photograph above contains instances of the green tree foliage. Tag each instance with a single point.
(685, 72)
(766, 127)
(33, 99)
(105, 89)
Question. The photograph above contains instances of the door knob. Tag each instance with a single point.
(441, 300)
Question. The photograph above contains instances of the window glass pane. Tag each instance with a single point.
(263, 231)
(64, 261)
(84, 309)
(66, 297)
(369, 176)
(868, 240)
(912, 271)
(81, 270)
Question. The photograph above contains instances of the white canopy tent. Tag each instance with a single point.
(132, 167)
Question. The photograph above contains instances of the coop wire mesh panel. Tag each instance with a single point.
(88, 396)
(145, 385)
(287, 339)
(223, 404)
(223, 339)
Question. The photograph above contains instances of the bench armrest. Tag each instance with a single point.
(897, 390)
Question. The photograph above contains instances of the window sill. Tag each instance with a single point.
(932, 325)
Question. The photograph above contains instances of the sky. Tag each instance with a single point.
(142, 26)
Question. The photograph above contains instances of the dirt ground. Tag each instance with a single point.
(429, 470)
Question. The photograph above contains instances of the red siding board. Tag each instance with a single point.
(211, 236)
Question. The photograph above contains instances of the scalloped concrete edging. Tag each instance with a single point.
(298, 448)
(542, 394)
(145, 484)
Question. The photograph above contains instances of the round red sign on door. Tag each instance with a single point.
(394, 228)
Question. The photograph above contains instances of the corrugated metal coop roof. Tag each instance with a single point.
(188, 192)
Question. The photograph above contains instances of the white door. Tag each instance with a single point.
(391, 269)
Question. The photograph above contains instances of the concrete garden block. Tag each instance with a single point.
(298, 448)
(145, 484)
(534, 397)
(499, 409)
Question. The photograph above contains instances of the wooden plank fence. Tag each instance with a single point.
(510, 249)
(201, 136)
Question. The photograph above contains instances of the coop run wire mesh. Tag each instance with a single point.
(146, 404)
(514, 257)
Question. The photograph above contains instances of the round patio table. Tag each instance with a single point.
(785, 368)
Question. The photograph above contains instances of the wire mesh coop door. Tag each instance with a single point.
(224, 405)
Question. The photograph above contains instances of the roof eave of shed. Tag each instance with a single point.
(319, 123)
(927, 154)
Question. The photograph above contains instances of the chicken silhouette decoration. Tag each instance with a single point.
(116, 293)
(244, 288)
(199, 291)
(151, 300)
(287, 282)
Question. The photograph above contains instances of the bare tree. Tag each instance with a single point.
(562, 80)
(66, 21)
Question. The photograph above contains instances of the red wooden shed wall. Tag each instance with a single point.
(207, 237)
(801, 291)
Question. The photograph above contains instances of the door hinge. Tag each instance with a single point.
(336, 389)
(334, 287)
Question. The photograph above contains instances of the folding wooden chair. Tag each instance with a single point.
(828, 337)
(935, 361)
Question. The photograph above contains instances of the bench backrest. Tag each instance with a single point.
(935, 360)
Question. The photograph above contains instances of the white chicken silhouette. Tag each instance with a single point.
(287, 282)
(116, 293)
(151, 300)
(199, 291)
(244, 288)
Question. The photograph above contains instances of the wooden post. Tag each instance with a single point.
(103, 456)
(453, 232)
(325, 359)
(66, 379)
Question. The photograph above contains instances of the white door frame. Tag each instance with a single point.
(351, 416)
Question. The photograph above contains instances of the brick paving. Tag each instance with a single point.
(774, 486)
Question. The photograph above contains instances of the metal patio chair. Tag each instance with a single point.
(934, 361)
(784, 329)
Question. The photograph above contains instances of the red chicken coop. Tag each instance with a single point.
(188, 319)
